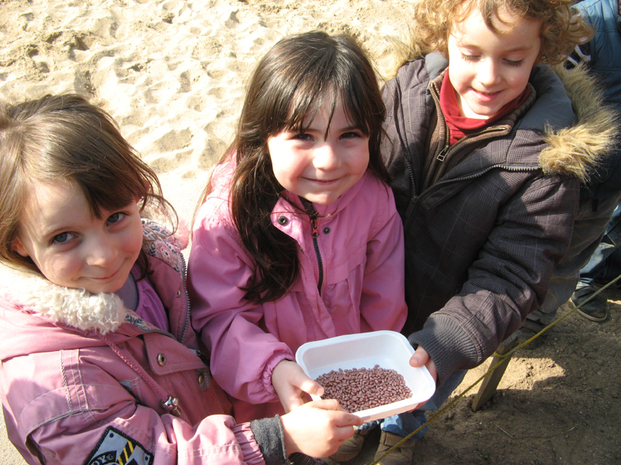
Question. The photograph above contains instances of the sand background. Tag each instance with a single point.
(173, 73)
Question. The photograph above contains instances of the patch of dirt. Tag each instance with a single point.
(558, 403)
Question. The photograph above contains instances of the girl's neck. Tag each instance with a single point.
(129, 293)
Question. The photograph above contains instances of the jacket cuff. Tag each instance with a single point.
(270, 437)
(447, 344)
(250, 449)
(266, 378)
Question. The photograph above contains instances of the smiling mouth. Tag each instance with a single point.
(323, 181)
(106, 278)
(486, 95)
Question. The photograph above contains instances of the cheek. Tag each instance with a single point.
(59, 270)
(274, 148)
(287, 167)
(135, 246)
(518, 81)
(280, 171)
(457, 76)
(363, 161)
(133, 242)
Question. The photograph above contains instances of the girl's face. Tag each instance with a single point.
(72, 248)
(489, 70)
(320, 164)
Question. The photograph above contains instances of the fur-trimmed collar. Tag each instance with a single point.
(75, 307)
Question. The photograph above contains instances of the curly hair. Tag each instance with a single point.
(562, 26)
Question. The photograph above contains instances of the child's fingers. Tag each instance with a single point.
(419, 358)
(311, 387)
(325, 404)
(342, 417)
(294, 402)
(301, 381)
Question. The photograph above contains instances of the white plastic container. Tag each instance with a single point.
(388, 349)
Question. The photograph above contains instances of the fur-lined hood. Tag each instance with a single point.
(579, 149)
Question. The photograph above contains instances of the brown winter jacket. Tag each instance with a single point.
(482, 241)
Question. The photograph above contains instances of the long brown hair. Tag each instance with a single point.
(64, 138)
(290, 83)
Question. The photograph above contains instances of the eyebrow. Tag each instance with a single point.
(519, 48)
(349, 127)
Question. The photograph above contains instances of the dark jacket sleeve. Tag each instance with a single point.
(508, 280)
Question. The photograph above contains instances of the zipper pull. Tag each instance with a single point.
(442, 155)
(314, 228)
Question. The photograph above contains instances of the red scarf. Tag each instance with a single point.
(460, 126)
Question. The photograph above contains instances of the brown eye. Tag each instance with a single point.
(115, 217)
(302, 136)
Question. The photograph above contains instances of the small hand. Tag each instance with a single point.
(291, 385)
(420, 358)
(318, 428)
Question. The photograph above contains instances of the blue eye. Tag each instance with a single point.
(62, 238)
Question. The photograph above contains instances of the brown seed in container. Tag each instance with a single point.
(359, 389)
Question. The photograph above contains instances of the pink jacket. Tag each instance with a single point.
(361, 252)
(83, 379)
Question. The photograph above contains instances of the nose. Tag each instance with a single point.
(488, 73)
(326, 157)
(100, 251)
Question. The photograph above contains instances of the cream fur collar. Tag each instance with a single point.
(74, 307)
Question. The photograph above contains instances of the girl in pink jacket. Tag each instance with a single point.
(99, 361)
(298, 238)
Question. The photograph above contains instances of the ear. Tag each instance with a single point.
(18, 247)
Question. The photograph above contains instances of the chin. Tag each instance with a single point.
(483, 113)
(106, 288)
(323, 201)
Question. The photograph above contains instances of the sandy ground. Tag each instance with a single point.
(172, 73)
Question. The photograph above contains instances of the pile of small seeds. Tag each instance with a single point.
(363, 388)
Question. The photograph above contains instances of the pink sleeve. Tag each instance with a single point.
(141, 433)
(227, 323)
(382, 304)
